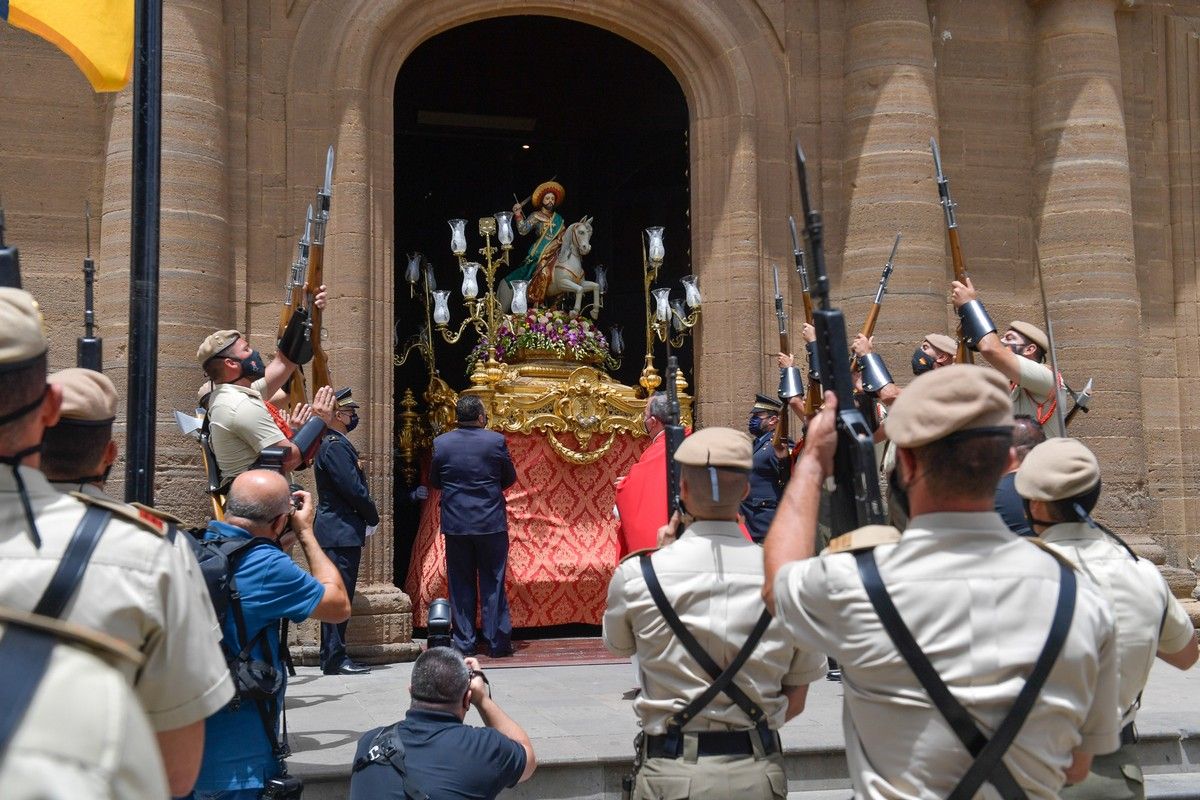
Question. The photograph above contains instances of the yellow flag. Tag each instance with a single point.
(96, 34)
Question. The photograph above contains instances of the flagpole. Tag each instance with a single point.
(142, 410)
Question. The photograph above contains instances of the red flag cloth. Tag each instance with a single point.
(280, 419)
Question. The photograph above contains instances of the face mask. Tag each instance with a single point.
(922, 362)
(1017, 349)
(353, 423)
(253, 366)
(755, 425)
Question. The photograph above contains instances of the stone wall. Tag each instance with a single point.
(1072, 124)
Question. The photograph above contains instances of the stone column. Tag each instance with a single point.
(196, 277)
(890, 103)
(1084, 224)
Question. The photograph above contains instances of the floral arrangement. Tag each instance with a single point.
(566, 336)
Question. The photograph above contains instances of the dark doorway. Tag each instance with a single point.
(489, 110)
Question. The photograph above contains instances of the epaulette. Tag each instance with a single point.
(157, 512)
(1059, 557)
(637, 553)
(142, 519)
(863, 538)
(73, 633)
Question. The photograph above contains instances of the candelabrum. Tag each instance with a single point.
(667, 320)
(420, 271)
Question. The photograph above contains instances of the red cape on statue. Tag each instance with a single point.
(642, 501)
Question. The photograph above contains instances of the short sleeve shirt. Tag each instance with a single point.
(241, 428)
(1035, 386)
(237, 753)
(1148, 617)
(712, 576)
(979, 600)
(136, 588)
(444, 758)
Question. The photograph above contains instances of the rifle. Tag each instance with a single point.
(10, 260)
(673, 431)
(315, 276)
(89, 348)
(812, 397)
(295, 302)
(856, 500)
(781, 428)
(868, 328)
(964, 355)
(1060, 397)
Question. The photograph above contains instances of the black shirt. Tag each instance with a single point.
(444, 758)
(1010, 507)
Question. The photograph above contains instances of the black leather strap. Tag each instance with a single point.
(988, 765)
(70, 570)
(708, 743)
(387, 746)
(722, 679)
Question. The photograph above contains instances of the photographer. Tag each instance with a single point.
(241, 753)
(431, 751)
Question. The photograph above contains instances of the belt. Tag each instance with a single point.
(1129, 734)
(711, 743)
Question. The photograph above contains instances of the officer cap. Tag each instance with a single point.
(215, 344)
(345, 398)
(22, 338)
(1031, 332)
(89, 397)
(764, 403)
(716, 447)
(942, 342)
(956, 398)
(1058, 469)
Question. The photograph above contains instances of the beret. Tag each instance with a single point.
(942, 342)
(716, 447)
(88, 396)
(955, 398)
(1058, 469)
(764, 403)
(215, 343)
(22, 337)
(1031, 332)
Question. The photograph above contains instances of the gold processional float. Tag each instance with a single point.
(538, 368)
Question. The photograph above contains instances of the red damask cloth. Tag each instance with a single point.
(561, 531)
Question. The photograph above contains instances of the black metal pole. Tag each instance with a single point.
(142, 409)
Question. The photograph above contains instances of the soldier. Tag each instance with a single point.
(345, 515)
(725, 741)
(1019, 354)
(769, 472)
(951, 616)
(241, 423)
(936, 350)
(1060, 483)
(134, 587)
(107, 752)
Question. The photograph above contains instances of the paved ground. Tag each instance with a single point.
(580, 722)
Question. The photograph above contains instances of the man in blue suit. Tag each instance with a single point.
(344, 512)
(472, 467)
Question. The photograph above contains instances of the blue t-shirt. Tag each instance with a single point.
(444, 758)
(237, 753)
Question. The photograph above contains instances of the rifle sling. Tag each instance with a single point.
(25, 652)
(722, 679)
(988, 766)
(387, 746)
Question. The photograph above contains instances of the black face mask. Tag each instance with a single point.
(353, 423)
(922, 362)
(755, 425)
(253, 366)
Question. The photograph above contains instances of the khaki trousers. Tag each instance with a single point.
(723, 777)
(1116, 776)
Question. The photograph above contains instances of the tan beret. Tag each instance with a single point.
(215, 343)
(22, 337)
(942, 342)
(954, 398)
(1031, 332)
(88, 396)
(716, 447)
(1058, 469)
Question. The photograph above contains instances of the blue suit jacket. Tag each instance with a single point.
(472, 467)
(344, 505)
(768, 477)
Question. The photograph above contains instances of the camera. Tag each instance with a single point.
(284, 787)
(439, 624)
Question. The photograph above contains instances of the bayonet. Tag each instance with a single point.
(89, 349)
(887, 272)
(943, 185)
(1083, 401)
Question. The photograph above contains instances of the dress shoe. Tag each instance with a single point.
(505, 653)
(349, 668)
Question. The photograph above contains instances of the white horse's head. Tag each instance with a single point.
(582, 235)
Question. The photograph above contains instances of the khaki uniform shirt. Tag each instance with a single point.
(84, 737)
(979, 600)
(1035, 387)
(712, 576)
(136, 589)
(241, 428)
(1148, 617)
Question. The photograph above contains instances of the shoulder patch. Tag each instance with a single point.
(158, 513)
(863, 538)
(636, 553)
(1057, 556)
(73, 633)
(139, 517)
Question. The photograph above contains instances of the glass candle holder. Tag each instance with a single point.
(458, 236)
(656, 252)
(678, 316)
(520, 300)
(441, 306)
(616, 340)
(412, 273)
(662, 304)
(470, 283)
(504, 231)
(691, 291)
(602, 278)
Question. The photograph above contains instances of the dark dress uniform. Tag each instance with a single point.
(344, 510)
(768, 477)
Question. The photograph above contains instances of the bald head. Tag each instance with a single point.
(256, 499)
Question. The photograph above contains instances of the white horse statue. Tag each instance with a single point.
(568, 273)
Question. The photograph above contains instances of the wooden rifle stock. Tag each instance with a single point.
(963, 355)
(813, 397)
(868, 328)
(315, 277)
